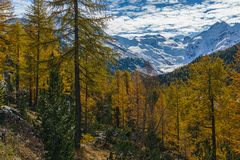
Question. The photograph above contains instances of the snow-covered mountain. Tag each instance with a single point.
(167, 54)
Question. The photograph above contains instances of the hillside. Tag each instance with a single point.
(182, 73)
(19, 140)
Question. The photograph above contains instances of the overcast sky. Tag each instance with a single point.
(166, 17)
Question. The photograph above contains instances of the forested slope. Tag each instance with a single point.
(55, 74)
(183, 73)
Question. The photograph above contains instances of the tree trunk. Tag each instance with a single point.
(163, 128)
(37, 67)
(214, 145)
(30, 85)
(144, 119)
(36, 83)
(17, 77)
(30, 93)
(123, 115)
(137, 101)
(86, 107)
(77, 83)
(117, 117)
(178, 128)
(123, 108)
(211, 99)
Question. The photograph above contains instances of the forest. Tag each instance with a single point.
(57, 73)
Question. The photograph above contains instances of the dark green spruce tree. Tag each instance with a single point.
(57, 123)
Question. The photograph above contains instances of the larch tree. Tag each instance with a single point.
(174, 106)
(208, 79)
(40, 31)
(17, 49)
(177, 111)
(78, 18)
(118, 101)
(120, 98)
(138, 97)
(29, 74)
(233, 108)
(5, 14)
(152, 95)
(126, 109)
(94, 68)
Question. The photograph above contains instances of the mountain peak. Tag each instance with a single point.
(167, 54)
(219, 25)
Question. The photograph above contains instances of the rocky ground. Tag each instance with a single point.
(19, 140)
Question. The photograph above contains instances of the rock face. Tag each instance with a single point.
(18, 138)
(10, 116)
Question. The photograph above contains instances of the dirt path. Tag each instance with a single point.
(92, 153)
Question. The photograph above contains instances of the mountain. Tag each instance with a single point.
(220, 36)
(163, 54)
(167, 54)
(182, 73)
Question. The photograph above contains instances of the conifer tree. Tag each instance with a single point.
(78, 20)
(162, 112)
(175, 104)
(56, 116)
(17, 50)
(233, 109)
(174, 100)
(152, 94)
(139, 96)
(117, 108)
(94, 68)
(208, 79)
(29, 75)
(5, 14)
(40, 31)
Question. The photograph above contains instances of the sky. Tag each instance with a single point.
(20, 6)
(169, 18)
